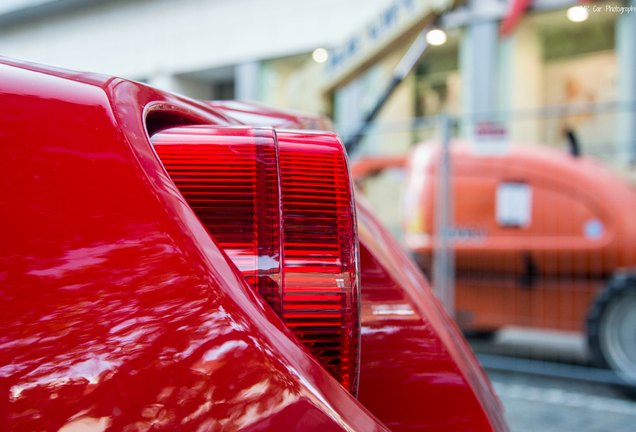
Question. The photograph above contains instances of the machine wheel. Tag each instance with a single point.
(481, 335)
(611, 329)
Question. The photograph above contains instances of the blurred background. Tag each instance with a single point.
(495, 138)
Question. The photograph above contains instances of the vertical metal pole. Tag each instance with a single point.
(247, 77)
(479, 60)
(444, 263)
(626, 54)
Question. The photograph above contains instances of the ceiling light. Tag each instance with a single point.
(578, 13)
(436, 36)
(320, 55)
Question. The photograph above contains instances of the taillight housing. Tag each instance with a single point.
(280, 204)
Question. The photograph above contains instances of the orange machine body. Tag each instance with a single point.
(536, 232)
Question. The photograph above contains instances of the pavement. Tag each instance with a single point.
(548, 402)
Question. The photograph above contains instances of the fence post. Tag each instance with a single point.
(443, 258)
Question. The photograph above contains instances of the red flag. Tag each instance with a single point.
(517, 9)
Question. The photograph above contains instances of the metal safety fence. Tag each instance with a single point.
(525, 223)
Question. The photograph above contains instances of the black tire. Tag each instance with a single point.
(480, 335)
(611, 330)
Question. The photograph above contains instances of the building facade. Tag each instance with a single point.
(242, 49)
(548, 75)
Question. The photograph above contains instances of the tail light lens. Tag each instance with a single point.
(280, 205)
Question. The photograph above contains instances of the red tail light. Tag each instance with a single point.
(280, 205)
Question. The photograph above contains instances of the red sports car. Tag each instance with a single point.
(170, 264)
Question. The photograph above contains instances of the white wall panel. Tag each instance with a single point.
(143, 39)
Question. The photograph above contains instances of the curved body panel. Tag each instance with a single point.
(119, 312)
(416, 367)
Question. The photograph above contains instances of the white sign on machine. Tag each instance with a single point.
(514, 204)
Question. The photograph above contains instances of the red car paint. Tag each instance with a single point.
(413, 355)
(121, 313)
(416, 367)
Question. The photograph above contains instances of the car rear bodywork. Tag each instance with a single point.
(121, 312)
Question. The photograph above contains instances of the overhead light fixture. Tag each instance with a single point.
(578, 13)
(320, 55)
(436, 36)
